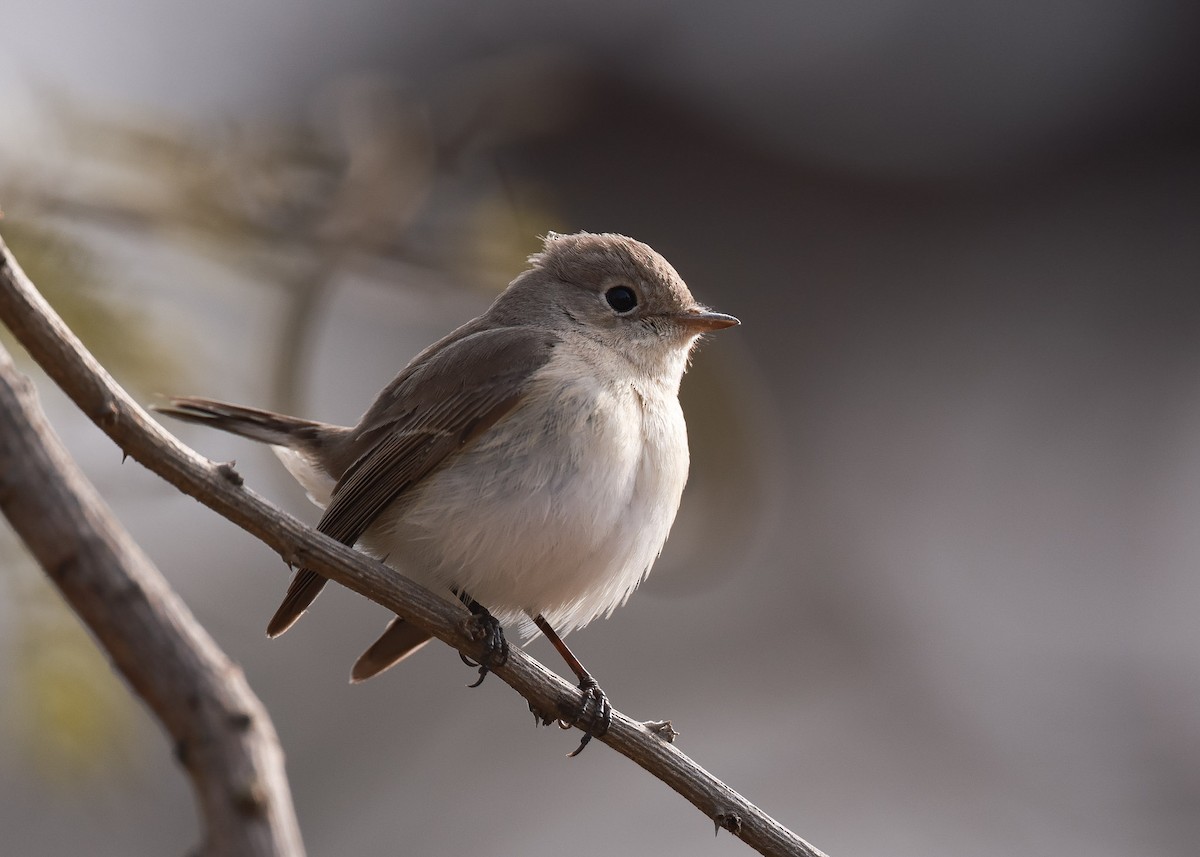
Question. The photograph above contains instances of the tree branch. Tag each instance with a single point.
(65, 360)
(223, 736)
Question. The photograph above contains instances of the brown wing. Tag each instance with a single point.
(437, 406)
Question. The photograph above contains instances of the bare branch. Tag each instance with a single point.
(218, 486)
(223, 736)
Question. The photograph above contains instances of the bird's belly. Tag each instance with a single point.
(544, 515)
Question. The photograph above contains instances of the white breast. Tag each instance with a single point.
(561, 508)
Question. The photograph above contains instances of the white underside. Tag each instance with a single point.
(312, 478)
(560, 509)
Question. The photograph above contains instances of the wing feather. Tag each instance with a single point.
(446, 398)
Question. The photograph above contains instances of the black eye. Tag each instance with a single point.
(621, 298)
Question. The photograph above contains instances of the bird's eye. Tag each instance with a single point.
(621, 298)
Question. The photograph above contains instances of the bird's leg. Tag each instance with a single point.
(595, 712)
(489, 630)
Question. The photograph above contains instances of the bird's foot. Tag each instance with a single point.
(485, 627)
(593, 717)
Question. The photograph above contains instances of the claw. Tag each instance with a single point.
(595, 723)
(540, 719)
(485, 627)
(483, 671)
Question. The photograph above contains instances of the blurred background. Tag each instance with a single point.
(933, 590)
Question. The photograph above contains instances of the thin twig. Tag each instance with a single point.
(222, 734)
(216, 485)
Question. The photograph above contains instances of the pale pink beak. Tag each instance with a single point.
(706, 321)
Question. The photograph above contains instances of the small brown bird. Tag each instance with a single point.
(530, 463)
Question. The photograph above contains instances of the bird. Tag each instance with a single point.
(530, 463)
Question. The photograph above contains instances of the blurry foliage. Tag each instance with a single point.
(64, 708)
(69, 275)
(370, 179)
(369, 175)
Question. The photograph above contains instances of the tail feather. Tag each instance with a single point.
(398, 642)
(320, 456)
(256, 424)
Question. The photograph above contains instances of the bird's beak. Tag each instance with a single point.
(705, 321)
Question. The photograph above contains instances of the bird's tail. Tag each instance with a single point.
(398, 642)
(264, 426)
